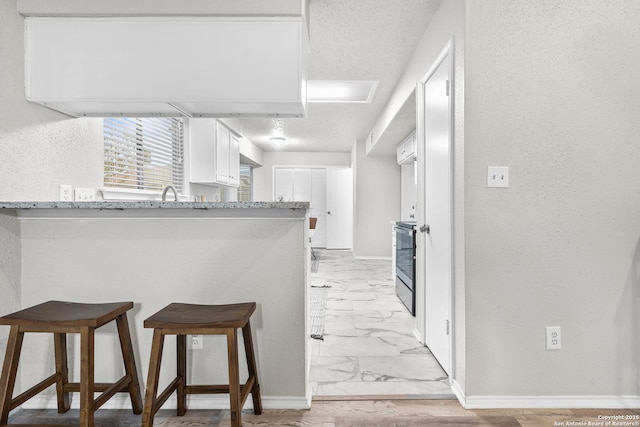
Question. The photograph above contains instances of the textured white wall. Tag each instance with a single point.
(10, 267)
(39, 149)
(552, 92)
(376, 202)
(203, 261)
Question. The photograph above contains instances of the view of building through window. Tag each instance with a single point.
(143, 153)
(245, 190)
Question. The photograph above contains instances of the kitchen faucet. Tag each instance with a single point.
(164, 193)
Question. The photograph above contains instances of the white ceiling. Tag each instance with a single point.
(350, 40)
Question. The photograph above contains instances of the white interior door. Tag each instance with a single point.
(283, 184)
(319, 206)
(437, 185)
(302, 185)
(339, 208)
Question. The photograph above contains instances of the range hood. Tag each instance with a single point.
(167, 66)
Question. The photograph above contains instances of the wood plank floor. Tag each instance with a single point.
(352, 413)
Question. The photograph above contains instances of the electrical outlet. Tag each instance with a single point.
(66, 193)
(195, 342)
(554, 341)
(85, 194)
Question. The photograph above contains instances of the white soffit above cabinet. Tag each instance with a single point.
(167, 66)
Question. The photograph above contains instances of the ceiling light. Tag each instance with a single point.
(356, 91)
(278, 140)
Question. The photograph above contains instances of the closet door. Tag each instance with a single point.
(302, 185)
(283, 188)
(339, 208)
(319, 206)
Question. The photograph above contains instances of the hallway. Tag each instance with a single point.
(368, 346)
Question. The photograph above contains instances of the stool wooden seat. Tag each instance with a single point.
(193, 319)
(61, 318)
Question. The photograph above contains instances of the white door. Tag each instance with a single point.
(437, 239)
(283, 184)
(339, 208)
(319, 206)
(302, 185)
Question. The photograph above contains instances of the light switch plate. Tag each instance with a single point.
(498, 176)
(85, 194)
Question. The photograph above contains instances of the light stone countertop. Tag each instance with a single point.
(156, 209)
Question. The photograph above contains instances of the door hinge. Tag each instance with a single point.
(447, 326)
(447, 88)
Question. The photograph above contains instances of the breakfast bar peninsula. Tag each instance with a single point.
(155, 253)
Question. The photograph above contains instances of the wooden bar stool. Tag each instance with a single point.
(192, 319)
(61, 318)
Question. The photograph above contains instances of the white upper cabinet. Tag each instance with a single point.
(167, 66)
(222, 153)
(406, 150)
(214, 153)
(234, 160)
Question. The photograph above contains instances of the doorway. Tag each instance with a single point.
(366, 346)
(329, 191)
(435, 209)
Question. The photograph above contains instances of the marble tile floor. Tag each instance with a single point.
(368, 348)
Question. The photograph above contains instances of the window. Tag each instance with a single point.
(245, 190)
(143, 153)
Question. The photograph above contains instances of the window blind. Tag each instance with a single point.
(245, 190)
(143, 153)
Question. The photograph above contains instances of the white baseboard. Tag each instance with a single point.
(193, 402)
(542, 402)
(385, 258)
(304, 402)
(458, 392)
(418, 335)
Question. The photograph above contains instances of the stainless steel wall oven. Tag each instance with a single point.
(406, 263)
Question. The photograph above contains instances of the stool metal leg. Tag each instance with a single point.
(87, 378)
(251, 366)
(153, 378)
(181, 345)
(62, 370)
(129, 363)
(9, 371)
(234, 378)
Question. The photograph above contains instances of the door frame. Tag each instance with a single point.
(447, 51)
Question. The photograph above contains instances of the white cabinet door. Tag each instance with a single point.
(406, 150)
(234, 161)
(222, 153)
(400, 153)
(202, 136)
(214, 153)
